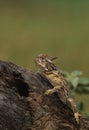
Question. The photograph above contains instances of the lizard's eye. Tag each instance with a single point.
(48, 67)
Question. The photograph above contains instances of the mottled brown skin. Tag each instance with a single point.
(50, 71)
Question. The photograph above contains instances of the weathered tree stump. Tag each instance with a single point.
(24, 106)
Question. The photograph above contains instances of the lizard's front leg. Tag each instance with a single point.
(53, 90)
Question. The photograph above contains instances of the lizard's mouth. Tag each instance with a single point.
(40, 65)
(43, 67)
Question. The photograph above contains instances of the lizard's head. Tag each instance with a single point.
(45, 63)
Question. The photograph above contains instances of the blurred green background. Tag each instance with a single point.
(55, 27)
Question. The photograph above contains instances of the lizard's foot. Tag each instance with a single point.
(76, 115)
(49, 92)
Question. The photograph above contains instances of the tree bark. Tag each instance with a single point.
(24, 106)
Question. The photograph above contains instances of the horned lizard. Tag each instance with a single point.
(50, 71)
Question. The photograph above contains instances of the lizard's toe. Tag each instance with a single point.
(49, 92)
(76, 115)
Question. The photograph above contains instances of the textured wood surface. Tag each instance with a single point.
(24, 106)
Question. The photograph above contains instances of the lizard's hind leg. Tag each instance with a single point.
(73, 107)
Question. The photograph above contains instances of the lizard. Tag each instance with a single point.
(48, 69)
